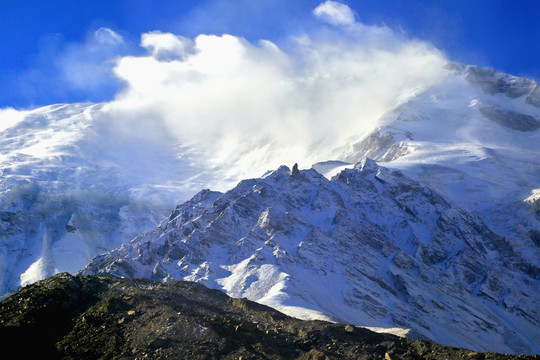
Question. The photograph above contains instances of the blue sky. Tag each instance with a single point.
(44, 43)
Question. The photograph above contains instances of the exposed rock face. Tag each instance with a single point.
(510, 119)
(371, 247)
(380, 146)
(493, 82)
(91, 317)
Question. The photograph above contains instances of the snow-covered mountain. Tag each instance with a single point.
(370, 247)
(442, 236)
(443, 239)
(71, 188)
(474, 138)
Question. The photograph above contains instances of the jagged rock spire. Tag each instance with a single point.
(295, 171)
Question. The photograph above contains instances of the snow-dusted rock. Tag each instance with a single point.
(370, 247)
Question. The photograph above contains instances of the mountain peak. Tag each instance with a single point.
(367, 165)
(348, 249)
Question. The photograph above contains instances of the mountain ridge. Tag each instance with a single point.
(70, 164)
(107, 317)
(348, 249)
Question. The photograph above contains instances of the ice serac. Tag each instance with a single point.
(370, 247)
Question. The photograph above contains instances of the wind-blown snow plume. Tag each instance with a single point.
(87, 66)
(248, 107)
(240, 108)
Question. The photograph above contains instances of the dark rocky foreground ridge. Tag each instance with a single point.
(105, 317)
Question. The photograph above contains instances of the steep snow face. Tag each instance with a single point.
(475, 138)
(71, 189)
(370, 247)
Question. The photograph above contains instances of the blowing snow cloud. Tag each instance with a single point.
(231, 108)
(248, 107)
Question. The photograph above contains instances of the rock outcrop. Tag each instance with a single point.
(370, 247)
(104, 317)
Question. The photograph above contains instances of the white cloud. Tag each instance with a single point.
(230, 108)
(75, 70)
(165, 45)
(244, 108)
(107, 36)
(335, 13)
(88, 65)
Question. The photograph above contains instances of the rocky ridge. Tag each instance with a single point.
(91, 317)
(370, 247)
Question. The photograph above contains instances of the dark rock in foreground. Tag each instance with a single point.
(93, 317)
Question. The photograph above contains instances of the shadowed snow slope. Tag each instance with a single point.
(370, 247)
(72, 188)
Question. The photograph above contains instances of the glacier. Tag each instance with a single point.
(67, 194)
